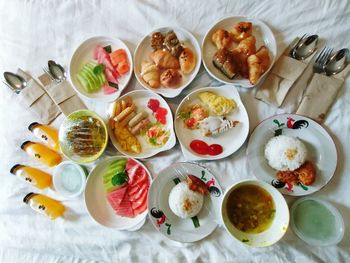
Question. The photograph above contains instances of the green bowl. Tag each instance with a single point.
(83, 136)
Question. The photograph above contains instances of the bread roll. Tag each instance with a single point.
(187, 61)
(170, 78)
(164, 60)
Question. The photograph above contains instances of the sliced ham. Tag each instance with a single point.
(142, 199)
(140, 180)
(140, 209)
(138, 194)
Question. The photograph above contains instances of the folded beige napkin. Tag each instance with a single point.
(63, 94)
(282, 77)
(320, 94)
(35, 97)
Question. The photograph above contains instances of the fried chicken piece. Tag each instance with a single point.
(196, 185)
(288, 177)
(306, 173)
(241, 31)
(258, 64)
(222, 39)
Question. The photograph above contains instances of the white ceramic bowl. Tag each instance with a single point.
(97, 205)
(84, 53)
(140, 98)
(278, 227)
(263, 35)
(239, 133)
(58, 183)
(144, 49)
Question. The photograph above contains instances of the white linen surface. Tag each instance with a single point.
(31, 32)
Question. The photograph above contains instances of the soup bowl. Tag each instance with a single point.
(275, 229)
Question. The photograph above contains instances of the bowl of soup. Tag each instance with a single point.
(255, 213)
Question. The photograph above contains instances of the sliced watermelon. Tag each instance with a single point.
(138, 194)
(125, 208)
(117, 196)
(140, 209)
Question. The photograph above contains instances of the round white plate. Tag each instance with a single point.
(263, 35)
(144, 49)
(83, 54)
(166, 222)
(321, 151)
(230, 140)
(96, 202)
(141, 98)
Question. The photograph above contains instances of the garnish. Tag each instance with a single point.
(99, 69)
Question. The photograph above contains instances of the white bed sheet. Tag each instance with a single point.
(31, 32)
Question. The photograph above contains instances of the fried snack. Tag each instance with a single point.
(288, 177)
(157, 41)
(196, 184)
(139, 126)
(306, 173)
(125, 122)
(164, 60)
(172, 43)
(241, 31)
(136, 119)
(241, 62)
(150, 74)
(126, 139)
(247, 46)
(219, 105)
(170, 78)
(258, 64)
(121, 116)
(224, 61)
(222, 39)
(187, 60)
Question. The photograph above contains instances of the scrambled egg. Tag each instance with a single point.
(126, 139)
(219, 105)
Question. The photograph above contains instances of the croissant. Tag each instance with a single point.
(241, 31)
(222, 39)
(165, 60)
(258, 64)
(247, 46)
(150, 74)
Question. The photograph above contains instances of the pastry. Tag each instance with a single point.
(219, 105)
(241, 31)
(187, 60)
(150, 74)
(139, 117)
(164, 60)
(241, 61)
(247, 46)
(258, 64)
(214, 125)
(222, 39)
(139, 126)
(170, 78)
(224, 61)
(157, 41)
(173, 44)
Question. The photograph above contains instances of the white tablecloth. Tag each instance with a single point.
(31, 32)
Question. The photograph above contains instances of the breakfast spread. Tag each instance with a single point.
(168, 62)
(236, 53)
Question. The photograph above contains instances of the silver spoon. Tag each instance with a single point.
(337, 62)
(16, 82)
(306, 48)
(56, 71)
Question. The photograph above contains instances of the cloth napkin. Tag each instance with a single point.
(63, 94)
(320, 94)
(283, 75)
(37, 100)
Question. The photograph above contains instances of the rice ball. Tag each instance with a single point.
(285, 153)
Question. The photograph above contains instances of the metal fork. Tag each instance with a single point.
(47, 71)
(321, 59)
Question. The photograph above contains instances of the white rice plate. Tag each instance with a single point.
(179, 194)
(277, 149)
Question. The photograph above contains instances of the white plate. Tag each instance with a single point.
(144, 50)
(230, 140)
(263, 35)
(96, 202)
(83, 54)
(321, 150)
(141, 98)
(166, 222)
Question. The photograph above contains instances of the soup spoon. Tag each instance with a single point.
(15, 81)
(337, 62)
(305, 48)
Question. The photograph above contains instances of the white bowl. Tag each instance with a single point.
(144, 49)
(140, 98)
(97, 205)
(57, 179)
(263, 35)
(239, 133)
(83, 54)
(278, 227)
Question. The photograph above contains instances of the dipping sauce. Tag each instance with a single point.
(250, 209)
(316, 222)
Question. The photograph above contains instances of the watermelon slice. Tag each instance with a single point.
(140, 209)
(125, 208)
(108, 90)
(116, 197)
(138, 194)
